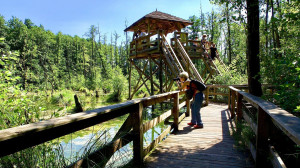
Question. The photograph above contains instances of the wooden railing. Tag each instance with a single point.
(268, 118)
(268, 123)
(189, 65)
(144, 44)
(212, 91)
(18, 138)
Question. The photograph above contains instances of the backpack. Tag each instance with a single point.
(199, 85)
(189, 94)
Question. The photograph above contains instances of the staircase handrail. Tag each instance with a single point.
(172, 51)
(179, 45)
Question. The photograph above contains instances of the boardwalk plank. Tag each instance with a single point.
(212, 146)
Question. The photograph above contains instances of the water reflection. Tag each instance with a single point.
(88, 140)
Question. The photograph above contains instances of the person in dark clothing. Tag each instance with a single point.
(196, 104)
(213, 51)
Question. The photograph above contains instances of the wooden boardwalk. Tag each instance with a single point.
(212, 146)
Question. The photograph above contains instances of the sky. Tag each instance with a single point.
(74, 17)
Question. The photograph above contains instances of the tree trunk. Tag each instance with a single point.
(253, 47)
(78, 105)
(229, 35)
(212, 26)
(266, 26)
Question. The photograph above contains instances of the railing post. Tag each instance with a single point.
(188, 107)
(158, 40)
(239, 112)
(262, 138)
(232, 111)
(215, 97)
(175, 111)
(135, 45)
(138, 134)
(229, 99)
(207, 96)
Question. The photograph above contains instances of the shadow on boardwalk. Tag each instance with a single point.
(212, 146)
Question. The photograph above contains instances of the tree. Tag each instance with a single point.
(228, 32)
(253, 47)
(28, 23)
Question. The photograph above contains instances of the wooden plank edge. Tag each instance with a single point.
(276, 159)
(19, 138)
(251, 123)
(155, 142)
(101, 154)
(252, 150)
(155, 121)
(151, 100)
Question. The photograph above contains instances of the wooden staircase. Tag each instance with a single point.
(179, 64)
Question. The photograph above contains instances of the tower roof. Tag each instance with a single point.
(158, 21)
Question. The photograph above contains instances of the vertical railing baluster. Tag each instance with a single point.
(207, 95)
(263, 122)
(188, 107)
(175, 111)
(239, 112)
(232, 111)
(229, 99)
(138, 134)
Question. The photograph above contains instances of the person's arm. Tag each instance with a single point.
(182, 85)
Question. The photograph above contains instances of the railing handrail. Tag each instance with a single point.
(172, 53)
(268, 114)
(181, 48)
(36, 133)
(276, 113)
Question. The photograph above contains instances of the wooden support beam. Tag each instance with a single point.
(125, 128)
(276, 159)
(250, 122)
(232, 110)
(156, 141)
(239, 112)
(229, 99)
(141, 76)
(160, 74)
(157, 120)
(206, 96)
(188, 107)
(102, 155)
(151, 76)
(263, 122)
(129, 81)
(138, 135)
(175, 111)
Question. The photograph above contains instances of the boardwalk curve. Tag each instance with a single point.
(212, 146)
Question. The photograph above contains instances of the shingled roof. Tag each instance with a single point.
(158, 21)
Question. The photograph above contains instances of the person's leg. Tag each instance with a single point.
(193, 121)
(197, 107)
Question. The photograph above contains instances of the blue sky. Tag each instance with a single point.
(74, 17)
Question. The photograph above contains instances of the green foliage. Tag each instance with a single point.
(279, 48)
(119, 84)
(281, 64)
(45, 155)
(233, 76)
(243, 135)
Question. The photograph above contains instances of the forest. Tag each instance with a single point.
(39, 68)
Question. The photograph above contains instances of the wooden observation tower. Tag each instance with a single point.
(152, 55)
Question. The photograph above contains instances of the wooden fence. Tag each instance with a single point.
(268, 116)
(18, 138)
(265, 119)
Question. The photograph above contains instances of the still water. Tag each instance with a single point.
(88, 140)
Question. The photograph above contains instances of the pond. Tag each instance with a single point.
(85, 141)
